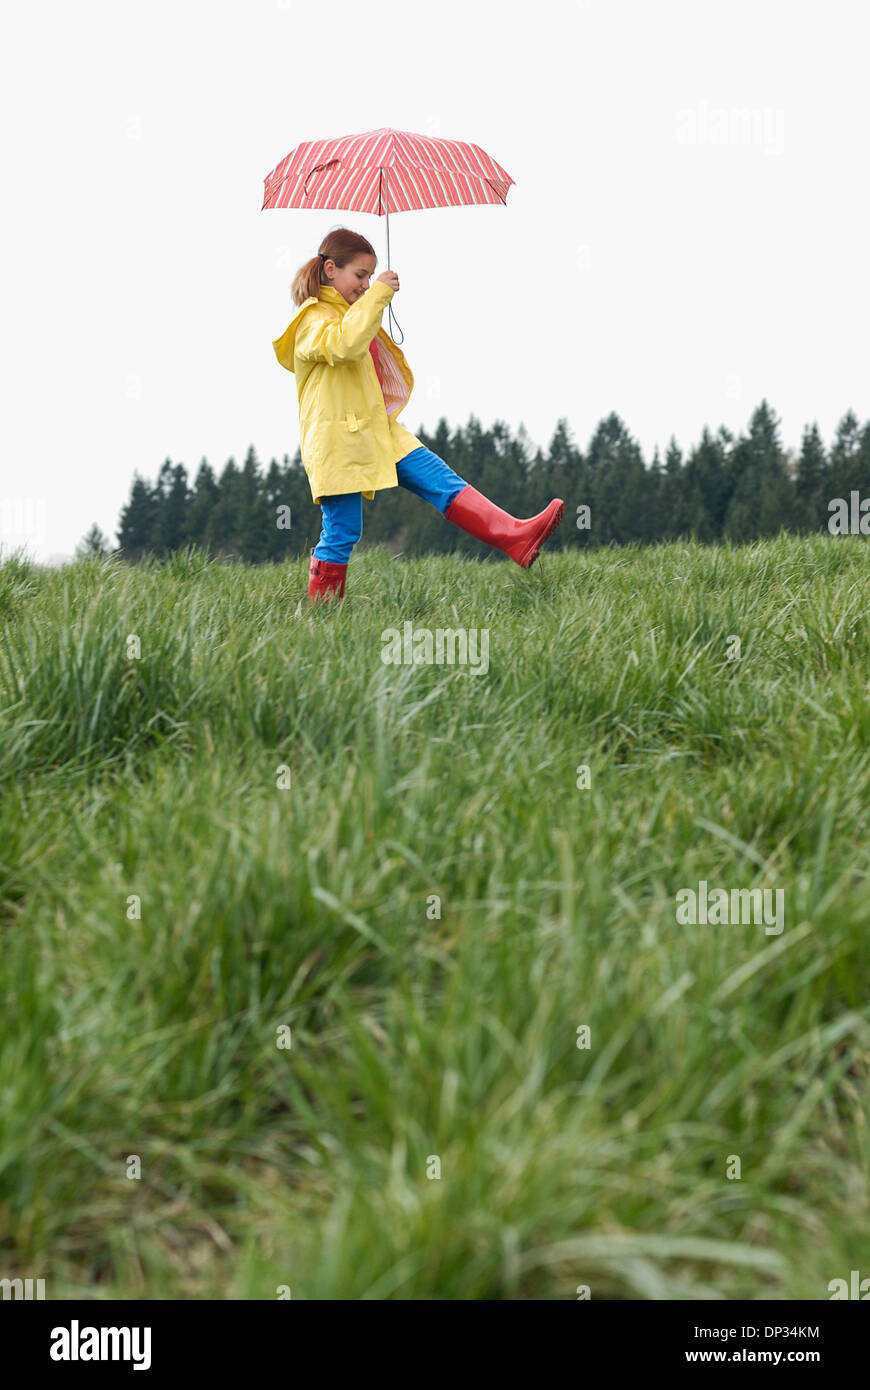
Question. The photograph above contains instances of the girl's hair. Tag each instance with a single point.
(340, 245)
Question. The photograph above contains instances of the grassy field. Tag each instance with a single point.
(433, 907)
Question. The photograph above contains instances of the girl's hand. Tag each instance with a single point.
(390, 278)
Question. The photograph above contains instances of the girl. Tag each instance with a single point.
(353, 382)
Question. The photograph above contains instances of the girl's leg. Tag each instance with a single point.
(427, 475)
(341, 529)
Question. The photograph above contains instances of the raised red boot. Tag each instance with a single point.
(325, 579)
(521, 540)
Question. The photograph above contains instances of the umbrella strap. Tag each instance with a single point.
(393, 320)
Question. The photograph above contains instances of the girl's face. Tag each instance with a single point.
(351, 280)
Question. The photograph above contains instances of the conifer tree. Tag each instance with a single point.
(811, 483)
(137, 521)
(94, 542)
(846, 461)
(223, 523)
(203, 500)
(762, 502)
(674, 512)
(618, 485)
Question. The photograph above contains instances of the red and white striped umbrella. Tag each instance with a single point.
(384, 171)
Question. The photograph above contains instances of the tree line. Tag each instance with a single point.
(726, 487)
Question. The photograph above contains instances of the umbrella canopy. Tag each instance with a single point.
(384, 171)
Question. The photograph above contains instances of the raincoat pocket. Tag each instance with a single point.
(354, 439)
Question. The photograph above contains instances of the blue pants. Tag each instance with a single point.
(421, 472)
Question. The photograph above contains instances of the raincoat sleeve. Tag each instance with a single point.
(320, 340)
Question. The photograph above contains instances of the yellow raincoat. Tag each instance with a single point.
(349, 437)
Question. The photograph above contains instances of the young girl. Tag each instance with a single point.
(353, 381)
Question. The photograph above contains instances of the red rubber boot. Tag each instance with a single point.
(325, 578)
(521, 540)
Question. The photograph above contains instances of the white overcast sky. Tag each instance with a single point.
(660, 255)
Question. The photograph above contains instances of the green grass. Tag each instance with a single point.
(415, 1037)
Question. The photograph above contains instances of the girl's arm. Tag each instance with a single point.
(322, 340)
